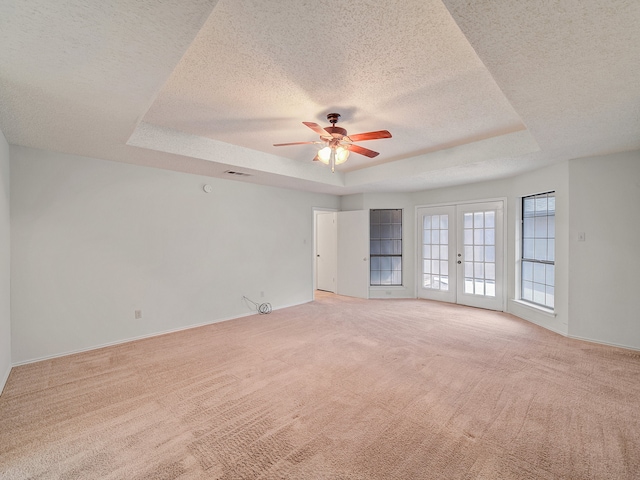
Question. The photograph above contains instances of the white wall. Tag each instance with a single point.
(553, 178)
(545, 179)
(367, 201)
(604, 291)
(95, 240)
(5, 255)
(596, 281)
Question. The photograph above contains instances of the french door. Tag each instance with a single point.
(461, 254)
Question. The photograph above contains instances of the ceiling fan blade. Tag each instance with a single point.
(294, 143)
(362, 151)
(359, 137)
(318, 129)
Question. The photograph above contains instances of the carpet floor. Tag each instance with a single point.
(339, 388)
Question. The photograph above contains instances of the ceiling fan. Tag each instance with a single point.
(337, 144)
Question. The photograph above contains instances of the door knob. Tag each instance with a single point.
(459, 262)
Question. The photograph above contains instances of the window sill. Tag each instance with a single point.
(536, 308)
(387, 287)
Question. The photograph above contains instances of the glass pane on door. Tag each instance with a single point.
(435, 252)
(479, 238)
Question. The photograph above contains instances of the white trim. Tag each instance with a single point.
(534, 307)
(3, 381)
(600, 342)
(142, 337)
(505, 254)
(517, 261)
(541, 325)
(466, 202)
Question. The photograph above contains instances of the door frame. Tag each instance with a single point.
(418, 249)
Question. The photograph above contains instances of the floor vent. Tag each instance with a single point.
(237, 174)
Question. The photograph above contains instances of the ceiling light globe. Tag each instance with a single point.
(341, 155)
(324, 155)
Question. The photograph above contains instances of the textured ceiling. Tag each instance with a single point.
(256, 71)
(469, 90)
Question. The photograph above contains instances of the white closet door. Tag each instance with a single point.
(353, 253)
(326, 252)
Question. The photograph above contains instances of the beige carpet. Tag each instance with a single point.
(335, 389)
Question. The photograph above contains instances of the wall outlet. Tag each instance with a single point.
(137, 314)
(261, 294)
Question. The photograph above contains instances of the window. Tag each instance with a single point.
(386, 247)
(538, 249)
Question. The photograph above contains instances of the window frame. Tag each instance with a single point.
(534, 264)
(393, 241)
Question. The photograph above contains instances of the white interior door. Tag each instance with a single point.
(461, 254)
(353, 253)
(326, 252)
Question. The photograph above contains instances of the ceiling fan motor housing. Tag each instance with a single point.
(336, 132)
(333, 118)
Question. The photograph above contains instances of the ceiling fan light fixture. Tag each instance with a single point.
(341, 155)
(324, 155)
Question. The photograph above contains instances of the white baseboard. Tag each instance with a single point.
(576, 337)
(4, 378)
(540, 324)
(535, 316)
(142, 337)
(600, 342)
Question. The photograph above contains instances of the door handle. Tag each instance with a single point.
(317, 255)
(459, 262)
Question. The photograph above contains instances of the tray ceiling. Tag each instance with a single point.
(469, 90)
